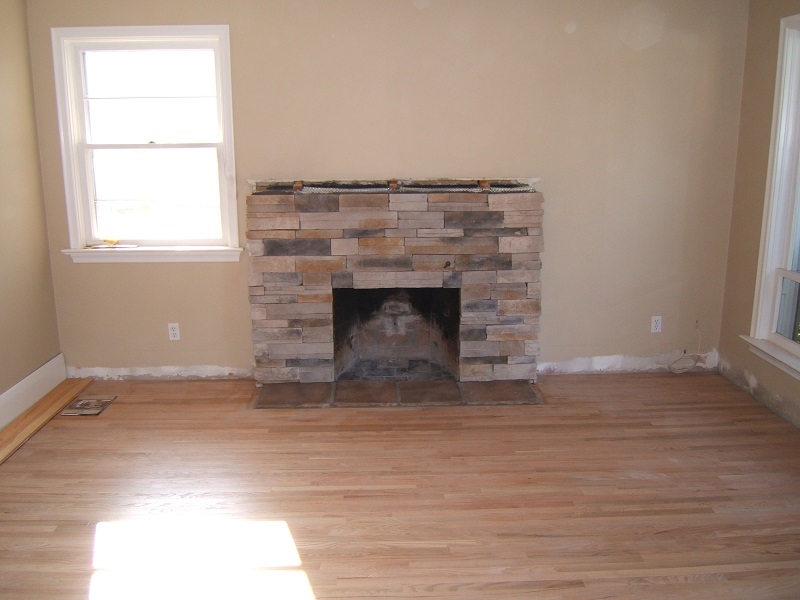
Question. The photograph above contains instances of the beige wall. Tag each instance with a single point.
(628, 110)
(28, 332)
(768, 383)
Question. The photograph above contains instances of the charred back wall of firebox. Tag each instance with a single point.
(396, 333)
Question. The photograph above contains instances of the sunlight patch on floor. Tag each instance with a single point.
(199, 558)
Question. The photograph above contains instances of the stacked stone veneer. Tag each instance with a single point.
(302, 245)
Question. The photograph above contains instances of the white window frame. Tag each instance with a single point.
(68, 45)
(783, 186)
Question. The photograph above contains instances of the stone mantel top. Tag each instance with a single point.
(478, 185)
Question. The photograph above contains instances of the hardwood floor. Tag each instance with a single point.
(626, 487)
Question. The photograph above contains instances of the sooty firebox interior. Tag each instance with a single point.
(396, 333)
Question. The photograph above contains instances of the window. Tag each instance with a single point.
(147, 143)
(775, 331)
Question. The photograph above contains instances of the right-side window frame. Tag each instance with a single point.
(775, 328)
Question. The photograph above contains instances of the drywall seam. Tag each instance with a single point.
(708, 361)
(19, 398)
(167, 373)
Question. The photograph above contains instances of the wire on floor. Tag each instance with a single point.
(687, 362)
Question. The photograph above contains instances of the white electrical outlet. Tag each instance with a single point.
(174, 332)
(655, 324)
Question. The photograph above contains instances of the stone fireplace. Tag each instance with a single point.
(338, 273)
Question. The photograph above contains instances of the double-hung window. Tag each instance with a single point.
(147, 143)
(775, 331)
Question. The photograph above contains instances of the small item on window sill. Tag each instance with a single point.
(110, 244)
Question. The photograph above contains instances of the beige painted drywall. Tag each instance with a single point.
(769, 384)
(28, 331)
(628, 110)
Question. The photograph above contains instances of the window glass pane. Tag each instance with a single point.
(149, 221)
(789, 311)
(159, 120)
(150, 73)
(159, 193)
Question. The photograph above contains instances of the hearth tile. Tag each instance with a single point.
(501, 392)
(365, 393)
(429, 393)
(294, 395)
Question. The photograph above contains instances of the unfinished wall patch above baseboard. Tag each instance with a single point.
(166, 373)
(708, 361)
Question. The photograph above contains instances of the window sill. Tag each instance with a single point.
(148, 254)
(775, 355)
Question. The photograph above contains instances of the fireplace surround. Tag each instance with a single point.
(481, 237)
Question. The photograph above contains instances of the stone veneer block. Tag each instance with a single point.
(331, 264)
(341, 280)
(381, 246)
(256, 200)
(522, 218)
(303, 245)
(433, 262)
(459, 197)
(524, 371)
(344, 247)
(277, 264)
(316, 279)
(483, 262)
(382, 263)
(451, 279)
(474, 219)
(402, 202)
(448, 245)
(319, 233)
(514, 245)
(317, 203)
(348, 202)
(277, 222)
(360, 219)
(524, 201)
(255, 234)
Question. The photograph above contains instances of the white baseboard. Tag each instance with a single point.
(186, 372)
(26, 393)
(625, 364)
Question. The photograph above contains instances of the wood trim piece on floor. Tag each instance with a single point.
(32, 420)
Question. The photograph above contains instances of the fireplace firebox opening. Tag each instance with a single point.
(396, 333)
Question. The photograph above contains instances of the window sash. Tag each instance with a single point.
(170, 194)
(68, 46)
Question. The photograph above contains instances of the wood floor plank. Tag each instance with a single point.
(619, 486)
